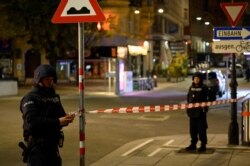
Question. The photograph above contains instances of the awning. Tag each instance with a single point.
(137, 50)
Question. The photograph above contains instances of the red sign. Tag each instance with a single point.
(74, 11)
(233, 11)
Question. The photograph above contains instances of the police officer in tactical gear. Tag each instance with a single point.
(198, 92)
(43, 120)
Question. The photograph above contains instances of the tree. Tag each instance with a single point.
(178, 67)
(32, 19)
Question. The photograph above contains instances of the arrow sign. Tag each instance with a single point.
(233, 11)
(231, 33)
(74, 11)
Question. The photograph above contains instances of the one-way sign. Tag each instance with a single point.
(232, 33)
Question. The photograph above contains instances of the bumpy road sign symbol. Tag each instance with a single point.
(74, 11)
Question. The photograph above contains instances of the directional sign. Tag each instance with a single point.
(234, 11)
(74, 11)
(231, 46)
(231, 33)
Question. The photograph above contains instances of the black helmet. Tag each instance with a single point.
(198, 74)
(44, 71)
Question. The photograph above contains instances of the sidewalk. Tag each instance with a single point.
(169, 150)
(98, 88)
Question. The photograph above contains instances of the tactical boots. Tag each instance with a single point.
(191, 148)
(202, 148)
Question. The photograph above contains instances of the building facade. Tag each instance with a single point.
(152, 31)
(143, 35)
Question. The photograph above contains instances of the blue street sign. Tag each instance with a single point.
(232, 33)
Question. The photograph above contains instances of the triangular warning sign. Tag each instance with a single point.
(233, 11)
(74, 11)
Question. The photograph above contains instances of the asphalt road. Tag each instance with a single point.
(107, 132)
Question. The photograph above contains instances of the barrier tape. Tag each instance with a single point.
(245, 112)
(161, 108)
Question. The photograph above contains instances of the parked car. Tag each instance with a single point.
(239, 71)
(191, 70)
(216, 82)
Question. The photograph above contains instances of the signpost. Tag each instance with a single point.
(233, 42)
(78, 11)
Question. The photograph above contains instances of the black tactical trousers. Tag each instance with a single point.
(43, 156)
(198, 129)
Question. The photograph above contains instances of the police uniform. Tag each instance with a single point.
(41, 109)
(198, 116)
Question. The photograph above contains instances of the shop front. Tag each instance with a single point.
(66, 70)
(6, 60)
(8, 84)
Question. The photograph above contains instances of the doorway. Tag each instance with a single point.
(32, 61)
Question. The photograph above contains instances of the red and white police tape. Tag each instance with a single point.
(161, 108)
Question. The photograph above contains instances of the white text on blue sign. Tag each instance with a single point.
(231, 33)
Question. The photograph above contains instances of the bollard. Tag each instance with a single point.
(245, 133)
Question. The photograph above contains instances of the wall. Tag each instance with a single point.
(8, 87)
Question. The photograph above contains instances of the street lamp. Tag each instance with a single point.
(137, 11)
(99, 26)
(198, 18)
(207, 23)
(160, 10)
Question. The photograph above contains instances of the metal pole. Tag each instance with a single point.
(233, 127)
(233, 134)
(227, 73)
(81, 76)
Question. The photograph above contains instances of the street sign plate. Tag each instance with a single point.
(74, 11)
(231, 46)
(234, 11)
(231, 33)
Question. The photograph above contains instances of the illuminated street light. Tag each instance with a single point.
(146, 44)
(137, 11)
(99, 26)
(198, 18)
(160, 10)
(207, 23)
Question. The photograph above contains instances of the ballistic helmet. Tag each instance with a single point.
(44, 71)
(199, 75)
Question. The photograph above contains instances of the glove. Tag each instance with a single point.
(25, 152)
